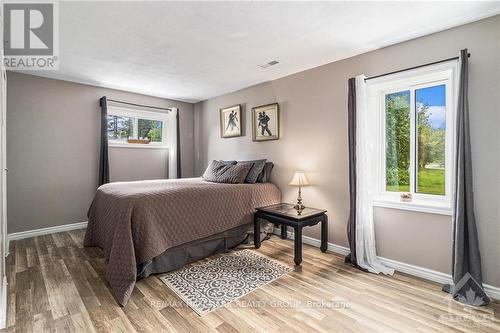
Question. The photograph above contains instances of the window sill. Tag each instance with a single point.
(421, 206)
(136, 145)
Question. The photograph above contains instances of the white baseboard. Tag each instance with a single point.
(421, 272)
(492, 291)
(46, 231)
(425, 273)
(316, 243)
(3, 303)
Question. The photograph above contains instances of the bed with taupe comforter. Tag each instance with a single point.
(134, 222)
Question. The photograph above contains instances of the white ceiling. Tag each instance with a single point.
(192, 51)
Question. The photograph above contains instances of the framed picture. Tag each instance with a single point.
(230, 121)
(265, 122)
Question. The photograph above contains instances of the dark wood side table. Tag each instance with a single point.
(285, 215)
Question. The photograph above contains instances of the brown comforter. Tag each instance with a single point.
(136, 221)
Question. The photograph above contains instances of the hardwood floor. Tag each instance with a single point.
(56, 285)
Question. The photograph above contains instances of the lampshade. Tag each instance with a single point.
(299, 179)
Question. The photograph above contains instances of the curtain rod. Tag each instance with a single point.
(410, 68)
(139, 105)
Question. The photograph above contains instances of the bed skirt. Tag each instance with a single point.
(181, 255)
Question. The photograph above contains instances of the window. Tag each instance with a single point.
(120, 128)
(125, 124)
(151, 129)
(416, 116)
(430, 106)
(397, 141)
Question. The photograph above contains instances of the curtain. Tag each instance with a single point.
(178, 146)
(172, 139)
(351, 123)
(103, 155)
(466, 259)
(366, 177)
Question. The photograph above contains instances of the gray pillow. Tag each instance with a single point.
(257, 167)
(265, 175)
(220, 172)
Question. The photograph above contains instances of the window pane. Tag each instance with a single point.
(397, 138)
(431, 128)
(120, 128)
(151, 129)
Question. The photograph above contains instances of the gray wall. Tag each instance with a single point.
(128, 164)
(53, 147)
(314, 138)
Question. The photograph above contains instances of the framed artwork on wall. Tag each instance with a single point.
(230, 121)
(265, 122)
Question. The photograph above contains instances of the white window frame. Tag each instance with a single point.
(412, 80)
(139, 114)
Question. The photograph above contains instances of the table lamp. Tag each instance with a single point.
(299, 179)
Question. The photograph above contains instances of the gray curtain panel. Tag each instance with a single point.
(103, 155)
(466, 260)
(179, 171)
(351, 120)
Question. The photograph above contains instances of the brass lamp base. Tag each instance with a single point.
(299, 207)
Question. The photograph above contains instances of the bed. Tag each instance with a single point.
(149, 227)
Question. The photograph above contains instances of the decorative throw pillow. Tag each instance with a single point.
(257, 167)
(265, 175)
(220, 172)
(228, 162)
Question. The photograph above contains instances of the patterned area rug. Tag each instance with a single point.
(217, 282)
